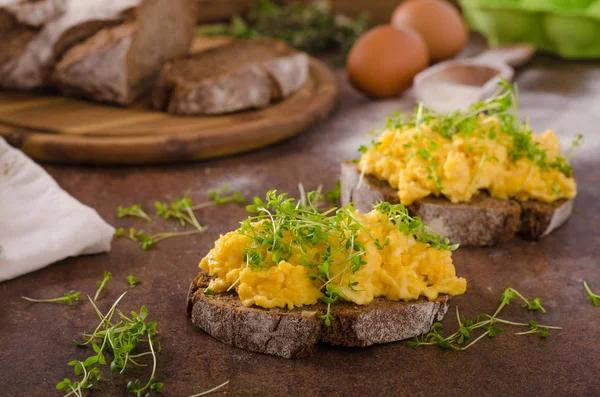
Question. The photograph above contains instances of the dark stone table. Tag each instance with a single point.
(36, 340)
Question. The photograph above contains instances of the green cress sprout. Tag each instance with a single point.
(135, 211)
(307, 226)
(333, 195)
(68, 298)
(121, 342)
(214, 389)
(181, 210)
(102, 284)
(592, 296)
(462, 338)
(222, 196)
(132, 281)
(504, 105)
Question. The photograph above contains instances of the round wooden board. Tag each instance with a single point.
(63, 130)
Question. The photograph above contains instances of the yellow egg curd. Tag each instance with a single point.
(421, 160)
(348, 256)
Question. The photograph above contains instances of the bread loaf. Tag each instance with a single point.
(21, 27)
(106, 50)
(120, 62)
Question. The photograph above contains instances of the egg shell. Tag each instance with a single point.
(438, 22)
(384, 60)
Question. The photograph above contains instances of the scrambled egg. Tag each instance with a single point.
(419, 162)
(405, 269)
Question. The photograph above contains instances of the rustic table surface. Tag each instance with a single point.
(37, 339)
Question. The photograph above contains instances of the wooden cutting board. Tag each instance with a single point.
(63, 130)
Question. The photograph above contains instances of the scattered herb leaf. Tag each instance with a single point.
(222, 196)
(132, 280)
(68, 298)
(123, 339)
(102, 284)
(214, 389)
(489, 323)
(592, 296)
(135, 211)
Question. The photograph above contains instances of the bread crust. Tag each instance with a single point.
(293, 333)
(485, 221)
(251, 85)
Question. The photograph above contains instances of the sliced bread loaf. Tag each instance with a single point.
(485, 221)
(103, 50)
(119, 63)
(243, 74)
(293, 333)
(21, 23)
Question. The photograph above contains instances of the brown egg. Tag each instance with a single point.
(384, 60)
(438, 22)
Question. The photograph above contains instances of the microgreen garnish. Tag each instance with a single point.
(214, 389)
(68, 298)
(222, 196)
(336, 231)
(179, 209)
(124, 339)
(504, 106)
(102, 284)
(488, 323)
(592, 296)
(146, 241)
(414, 226)
(333, 195)
(135, 211)
(132, 281)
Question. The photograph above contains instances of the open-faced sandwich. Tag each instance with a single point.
(477, 177)
(292, 276)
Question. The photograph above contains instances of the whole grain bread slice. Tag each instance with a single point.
(293, 333)
(242, 74)
(485, 221)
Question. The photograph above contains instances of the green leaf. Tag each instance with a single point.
(132, 280)
(508, 295)
(90, 360)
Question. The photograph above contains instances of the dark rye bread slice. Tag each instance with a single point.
(242, 74)
(293, 333)
(485, 221)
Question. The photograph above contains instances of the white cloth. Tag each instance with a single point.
(39, 222)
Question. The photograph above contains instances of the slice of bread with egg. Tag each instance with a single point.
(484, 221)
(292, 276)
(294, 333)
(477, 177)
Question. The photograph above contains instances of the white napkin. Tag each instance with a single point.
(39, 222)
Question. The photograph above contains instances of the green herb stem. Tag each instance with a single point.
(214, 389)
(595, 298)
(68, 298)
